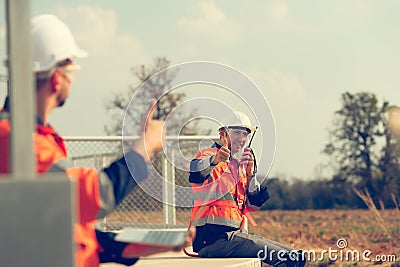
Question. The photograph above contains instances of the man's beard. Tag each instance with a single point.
(61, 100)
(62, 97)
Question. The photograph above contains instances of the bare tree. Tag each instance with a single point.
(151, 87)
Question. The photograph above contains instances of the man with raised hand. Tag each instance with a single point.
(99, 192)
(225, 191)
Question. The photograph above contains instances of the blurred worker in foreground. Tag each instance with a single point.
(225, 191)
(54, 50)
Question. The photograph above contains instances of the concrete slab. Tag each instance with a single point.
(173, 259)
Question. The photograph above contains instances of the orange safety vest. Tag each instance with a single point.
(221, 199)
(50, 148)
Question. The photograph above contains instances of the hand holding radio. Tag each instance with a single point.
(247, 161)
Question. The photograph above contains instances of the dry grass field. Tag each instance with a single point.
(319, 230)
(316, 231)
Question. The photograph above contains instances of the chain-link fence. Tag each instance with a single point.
(155, 203)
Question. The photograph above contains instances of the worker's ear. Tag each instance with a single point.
(56, 80)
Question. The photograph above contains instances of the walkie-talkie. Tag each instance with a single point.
(252, 136)
(254, 156)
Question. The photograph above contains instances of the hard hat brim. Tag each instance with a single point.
(248, 128)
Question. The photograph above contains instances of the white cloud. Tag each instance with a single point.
(91, 24)
(351, 14)
(211, 23)
(332, 16)
(105, 72)
(277, 10)
(282, 17)
(279, 86)
(96, 30)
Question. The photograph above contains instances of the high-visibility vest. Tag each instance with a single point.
(221, 199)
(50, 150)
(49, 147)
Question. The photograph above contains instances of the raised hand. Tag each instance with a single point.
(152, 134)
(223, 153)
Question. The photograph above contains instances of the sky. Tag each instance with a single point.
(302, 55)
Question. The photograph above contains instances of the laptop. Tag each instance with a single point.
(153, 237)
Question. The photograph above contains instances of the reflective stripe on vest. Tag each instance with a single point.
(202, 197)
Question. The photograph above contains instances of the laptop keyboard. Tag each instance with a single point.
(160, 237)
(167, 237)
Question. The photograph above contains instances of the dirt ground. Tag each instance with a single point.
(373, 237)
(327, 237)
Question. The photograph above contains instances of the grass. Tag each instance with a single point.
(319, 230)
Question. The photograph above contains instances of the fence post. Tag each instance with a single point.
(172, 213)
(169, 218)
(165, 190)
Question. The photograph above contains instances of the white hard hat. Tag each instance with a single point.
(239, 119)
(52, 42)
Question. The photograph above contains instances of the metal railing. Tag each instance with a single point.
(139, 208)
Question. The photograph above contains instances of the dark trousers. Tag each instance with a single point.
(239, 244)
